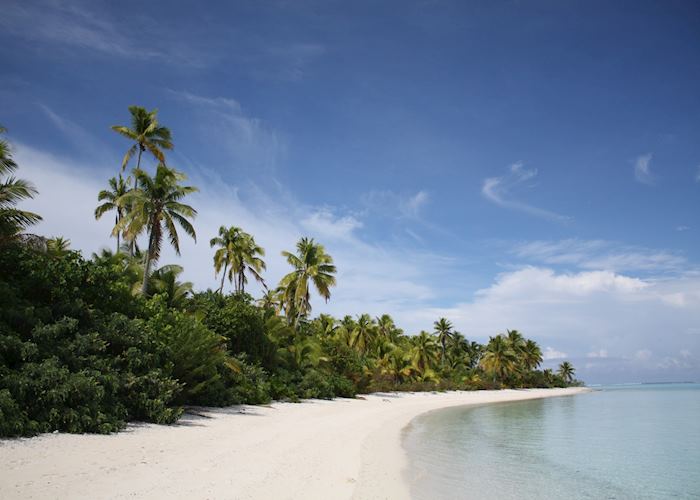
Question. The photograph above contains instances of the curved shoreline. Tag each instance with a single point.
(384, 460)
(346, 448)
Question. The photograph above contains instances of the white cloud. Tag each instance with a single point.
(572, 311)
(550, 353)
(325, 224)
(682, 228)
(601, 353)
(599, 254)
(498, 190)
(697, 175)
(642, 169)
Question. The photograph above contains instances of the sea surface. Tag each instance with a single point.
(617, 442)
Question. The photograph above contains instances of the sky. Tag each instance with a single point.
(506, 165)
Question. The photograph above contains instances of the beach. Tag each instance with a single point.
(344, 448)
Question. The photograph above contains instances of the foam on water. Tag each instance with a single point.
(639, 441)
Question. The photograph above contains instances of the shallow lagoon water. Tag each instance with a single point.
(617, 442)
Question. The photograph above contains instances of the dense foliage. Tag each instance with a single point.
(88, 345)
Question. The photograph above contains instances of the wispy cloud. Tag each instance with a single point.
(287, 62)
(246, 143)
(393, 204)
(83, 141)
(499, 190)
(642, 169)
(697, 175)
(682, 228)
(77, 25)
(600, 255)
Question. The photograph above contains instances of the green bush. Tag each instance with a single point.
(241, 323)
(69, 359)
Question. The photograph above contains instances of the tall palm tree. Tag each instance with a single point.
(155, 207)
(312, 265)
(250, 261)
(566, 371)
(238, 253)
(443, 330)
(147, 135)
(12, 191)
(225, 254)
(499, 359)
(111, 198)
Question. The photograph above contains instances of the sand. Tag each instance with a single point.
(346, 448)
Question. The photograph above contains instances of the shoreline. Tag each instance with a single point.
(344, 448)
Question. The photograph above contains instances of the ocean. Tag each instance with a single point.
(617, 442)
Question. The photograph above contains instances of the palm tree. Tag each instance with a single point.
(58, 246)
(155, 207)
(424, 352)
(396, 364)
(225, 254)
(499, 359)
(311, 265)
(271, 300)
(164, 281)
(363, 334)
(387, 329)
(443, 330)
(12, 191)
(566, 371)
(516, 341)
(531, 355)
(111, 198)
(237, 253)
(147, 135)
(327, 325)
(249, 260)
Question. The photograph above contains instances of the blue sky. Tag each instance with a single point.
(529, 165)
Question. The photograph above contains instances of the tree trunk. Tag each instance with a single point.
(116, 223)
(147, 267)
(136, 185)
(223, 278)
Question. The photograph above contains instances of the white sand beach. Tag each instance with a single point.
(346, 448)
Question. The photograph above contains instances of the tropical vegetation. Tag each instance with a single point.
(89, 344)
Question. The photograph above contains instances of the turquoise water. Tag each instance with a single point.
(624, 442)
